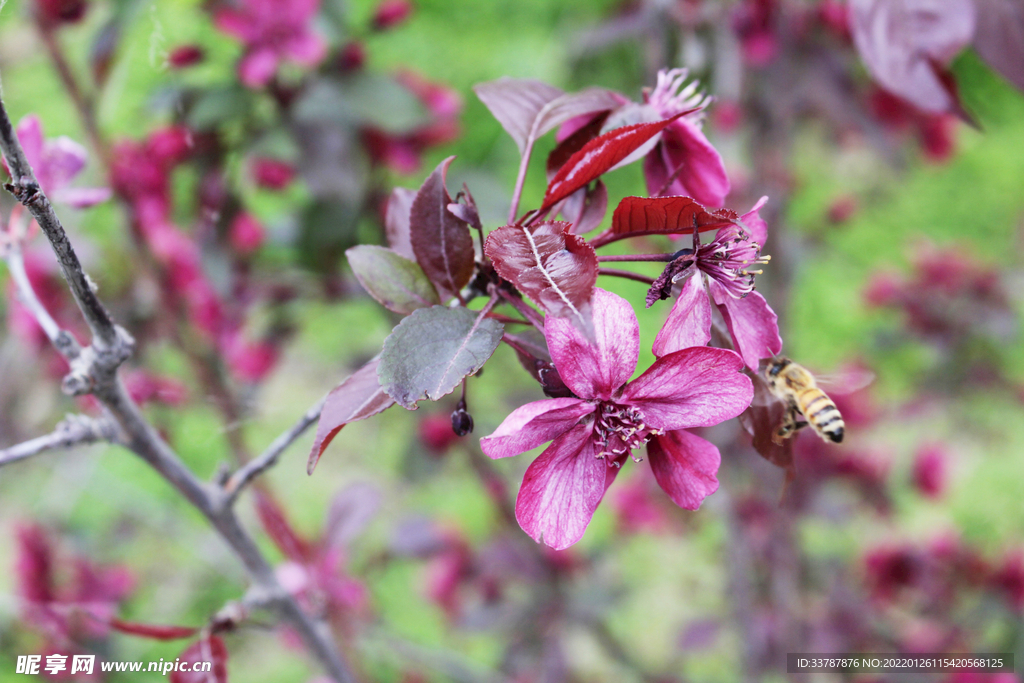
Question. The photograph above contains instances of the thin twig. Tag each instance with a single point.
(74, 430)
(62, 340)
(524, 308)
(612, 272)
(637, 257)
(25, 188)
(268, 458)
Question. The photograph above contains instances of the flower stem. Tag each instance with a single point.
(662, 258)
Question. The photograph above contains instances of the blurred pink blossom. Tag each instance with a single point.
(55, 163)
(272, 31)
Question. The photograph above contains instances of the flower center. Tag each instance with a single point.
(729, 259)
(620, 429)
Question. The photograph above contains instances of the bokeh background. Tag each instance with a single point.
(897, 240)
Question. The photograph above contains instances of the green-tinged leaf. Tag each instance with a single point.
(218, 105)
(400, 285)
(365, 99)
(428, 353)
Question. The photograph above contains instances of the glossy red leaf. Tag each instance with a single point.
(153, 631)
(440, 240)
(574, 143)
(210, 650)
(547, 263)
(357, 398)
(598, 156)
(666, 216)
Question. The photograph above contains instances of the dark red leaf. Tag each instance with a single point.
(154, 631)
(761, 419)
(528, 109)
(276, 524)
(516, 103)
(598, 156)
(666, 216)
(357, 398)
(396, 221)
(208, 650)
(999, 38)
(547, 263)
(441, 240)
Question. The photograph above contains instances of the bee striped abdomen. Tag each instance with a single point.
(822, 414)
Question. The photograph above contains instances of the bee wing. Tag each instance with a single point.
(846, 381)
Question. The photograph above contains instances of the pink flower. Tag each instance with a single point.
(683, 162)
(273, 31)
(391, 13)
(436, 435)
(246, 234)
(595, 433)
(250, 361)
(272, 174)
(55, 12)
(720, 274)
(929, 471)
(754, 23)
(402, 152)
(185, 56)
(76, 610)
(56, 162)
(145, 387)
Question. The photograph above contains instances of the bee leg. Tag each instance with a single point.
(788, 426)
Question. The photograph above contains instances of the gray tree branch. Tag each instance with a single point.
(94, 370)
(268, 458)
(74, 430)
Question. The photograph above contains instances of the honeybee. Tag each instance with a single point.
(796, 386)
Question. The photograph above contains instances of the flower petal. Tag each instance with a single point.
(561, 489)
(306, 48)
(752, 323)
(703, 175)
(689, 321)
(236, 23)
(82, 197)
(686, 467)
(257, 67)
(695, 387)
(596, 370)
(535, 423)
(30, 134)
(64, 159)
(756, 226)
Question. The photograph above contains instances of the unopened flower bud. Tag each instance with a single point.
(462, 422)
(272, 174)
(391, 13)
(56, 12)
(352, 56)
(185, 56)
